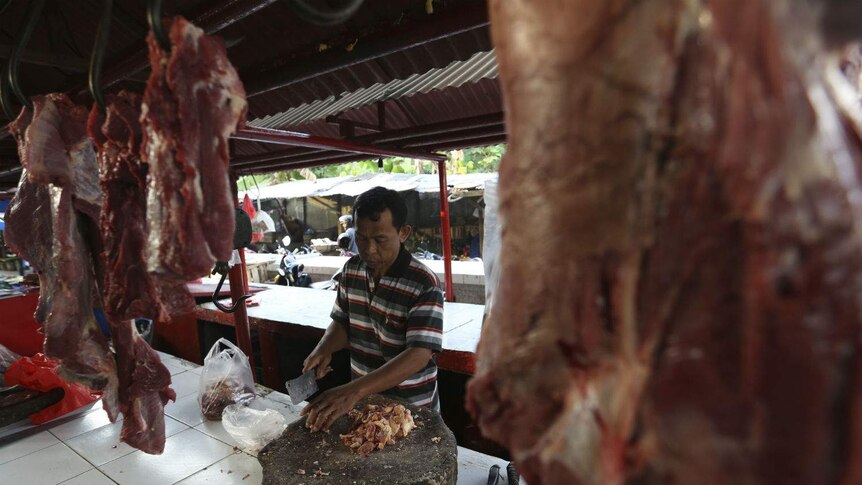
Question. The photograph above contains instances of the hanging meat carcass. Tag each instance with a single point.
(193, 102)
(129, 289)
(51, 222)
(699, 164)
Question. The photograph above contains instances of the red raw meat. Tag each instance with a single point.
(30, 234)
(685, 176)
(193, 102)
(130, 290)
(64, 196)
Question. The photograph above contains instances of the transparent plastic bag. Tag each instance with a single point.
(251, 428)
(225, 380)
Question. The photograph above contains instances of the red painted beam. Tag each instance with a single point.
(447, 23)
(293, 138)
(446, 233)
(420, 133)
(330, 158)
(240, 316)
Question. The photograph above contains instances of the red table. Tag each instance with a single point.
(19, 331)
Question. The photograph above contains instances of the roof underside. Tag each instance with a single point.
(393, 75)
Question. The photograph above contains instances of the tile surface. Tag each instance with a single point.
(186, 453)
(238, 468)
(25, 446)
(48, 466)
(186, 383)
(186, 410)
(92, 477)
(79, 426)
(103, 445)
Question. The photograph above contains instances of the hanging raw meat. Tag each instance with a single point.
(685, 176)
(193, 102)
(49, 222)
(30, 234)
(129, 289)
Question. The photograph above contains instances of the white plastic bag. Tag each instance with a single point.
(251, 428)
(225, 380)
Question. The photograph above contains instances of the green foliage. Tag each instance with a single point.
(471, 160)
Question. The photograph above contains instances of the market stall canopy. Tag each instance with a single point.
(424, 184)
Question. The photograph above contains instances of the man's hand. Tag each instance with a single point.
(330, 406)
(333, 340)
(320, 360)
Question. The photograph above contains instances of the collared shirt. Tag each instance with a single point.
(404, 310)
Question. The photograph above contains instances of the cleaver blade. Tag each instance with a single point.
(303, 386)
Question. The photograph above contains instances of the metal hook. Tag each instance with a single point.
(222, 268)
(154, 18)
(324, 16)
(35, 8)
(5, 102)
(99, 54)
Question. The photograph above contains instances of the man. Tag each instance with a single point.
(388, 312)
(347, 224)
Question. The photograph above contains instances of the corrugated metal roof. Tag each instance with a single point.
(353, 186)
(482, 65)
(293, 190)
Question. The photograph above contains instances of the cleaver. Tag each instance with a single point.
(303, 386)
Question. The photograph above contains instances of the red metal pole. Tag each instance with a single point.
(447, 232)
(240, 316)
(244, 272)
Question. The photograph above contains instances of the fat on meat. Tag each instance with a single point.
(193, 102)
(690, 174)
(129, 289)
(60, 185)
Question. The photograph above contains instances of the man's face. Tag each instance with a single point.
(379, 242)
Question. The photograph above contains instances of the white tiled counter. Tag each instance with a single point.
(87, 450)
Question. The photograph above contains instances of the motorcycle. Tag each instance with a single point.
(422, 253)
(330, 284)
(290, 271)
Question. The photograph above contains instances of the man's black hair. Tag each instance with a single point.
(372, 202)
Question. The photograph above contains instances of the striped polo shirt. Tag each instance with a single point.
(405, 310)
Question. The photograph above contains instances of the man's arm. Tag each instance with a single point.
(333, 340)
(334, 403)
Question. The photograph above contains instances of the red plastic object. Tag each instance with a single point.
(40, 373)
(248, 208)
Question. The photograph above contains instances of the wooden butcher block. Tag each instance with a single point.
(427, 456)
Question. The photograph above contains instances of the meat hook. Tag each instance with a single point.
(34, 9)
(99, 54)
(494, 475)
(222, 268)
(324, 16)
(4, 96)
(154, 18)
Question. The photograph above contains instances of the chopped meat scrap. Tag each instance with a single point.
(377, 426)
